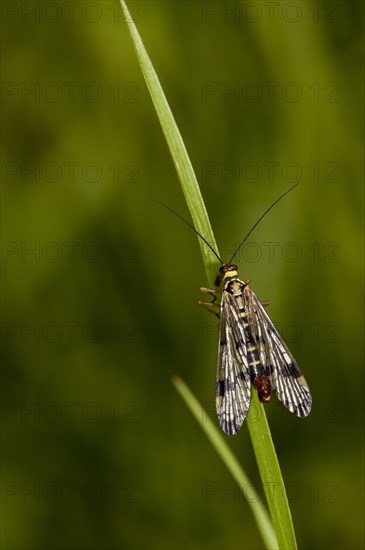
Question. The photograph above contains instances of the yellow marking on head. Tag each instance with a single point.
(230, 273)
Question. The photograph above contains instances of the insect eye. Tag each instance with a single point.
(218, 280)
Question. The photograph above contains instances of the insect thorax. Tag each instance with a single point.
(226, 273)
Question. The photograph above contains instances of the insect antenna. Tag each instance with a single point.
(187, 223)
(259, 220)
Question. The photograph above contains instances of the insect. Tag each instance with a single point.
(251, 353)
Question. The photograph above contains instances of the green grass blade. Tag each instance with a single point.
(177, 148)
(216, 438)
(259, 430)
(270, 473)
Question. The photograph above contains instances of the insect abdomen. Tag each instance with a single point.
(259, 379)
(253, 358)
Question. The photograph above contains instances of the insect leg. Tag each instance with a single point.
(209, 291)
(211, 307)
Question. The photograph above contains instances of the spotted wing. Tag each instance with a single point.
(287, 380)
(233, 388)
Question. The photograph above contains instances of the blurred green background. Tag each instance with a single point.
(100, 286)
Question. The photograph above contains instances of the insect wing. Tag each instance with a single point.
(287, 380)
(233, 389)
